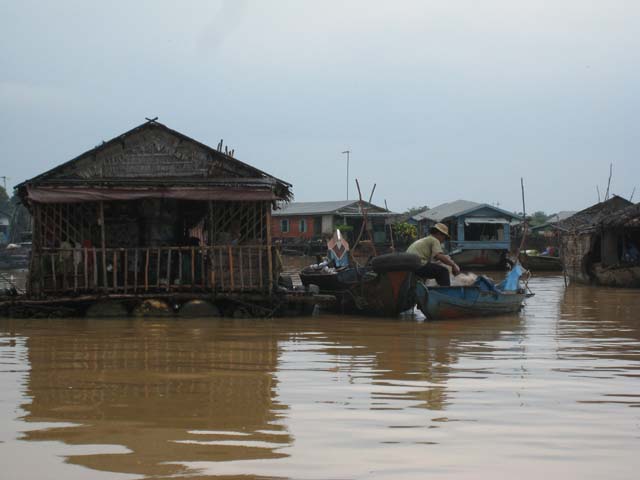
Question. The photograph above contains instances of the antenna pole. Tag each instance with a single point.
(348, 152)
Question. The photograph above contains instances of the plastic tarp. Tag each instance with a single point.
(512, 281)
(84, 194)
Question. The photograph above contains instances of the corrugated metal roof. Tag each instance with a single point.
(323, 208)
(562, 215)
(456, 208)
(445, 210)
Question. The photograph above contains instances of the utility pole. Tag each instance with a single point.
(4, 179)
(348, 152)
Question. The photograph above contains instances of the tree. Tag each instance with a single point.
(415, 210)
(5, 204)
(538, 218)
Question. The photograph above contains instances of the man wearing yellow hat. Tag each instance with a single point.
(429, 249)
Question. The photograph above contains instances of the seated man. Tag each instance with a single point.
(430, 249)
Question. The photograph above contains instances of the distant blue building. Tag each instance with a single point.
(480, 233)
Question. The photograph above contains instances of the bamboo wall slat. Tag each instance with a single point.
(221, 268)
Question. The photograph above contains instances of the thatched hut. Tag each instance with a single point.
(152, 211)
(596, 242)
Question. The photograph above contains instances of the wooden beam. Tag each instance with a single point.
(104, 244)
(269, 251)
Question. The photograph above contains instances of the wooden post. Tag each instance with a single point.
(213, 273)
(86, 268)
(261, 280)
(125, 270)
(95, 267)
(169, 269)
(250, 268)
(104, 245)
(53, 270)
(203, 269)
(135, 271)
(158, 265)
(231, 273)
(221, 269)
(193, 267)
(269, 251)
(146, 272)
(115, 269)
(75, 270)
(241, 268)
(210, 223)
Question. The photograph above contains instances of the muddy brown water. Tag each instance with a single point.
(553, 391)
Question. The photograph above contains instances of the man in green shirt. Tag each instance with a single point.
(430, 249)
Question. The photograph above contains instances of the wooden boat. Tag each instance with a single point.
(541, 263)
(481, 299)
(481, 259)
(386, 287)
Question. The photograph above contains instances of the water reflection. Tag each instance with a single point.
(161, 389)
(332, 396)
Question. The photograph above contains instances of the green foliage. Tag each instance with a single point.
(344, 228)
(405, 232)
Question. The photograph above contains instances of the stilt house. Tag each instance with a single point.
(152, 210)
(595, 242)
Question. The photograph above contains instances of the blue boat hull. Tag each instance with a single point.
(458, 302)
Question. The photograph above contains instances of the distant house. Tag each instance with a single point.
(598, 243)
(312, 220)
(480, 233)
(548, 229)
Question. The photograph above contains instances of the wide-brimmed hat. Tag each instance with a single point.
(442, 228)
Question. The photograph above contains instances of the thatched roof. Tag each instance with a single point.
(153, 157)
(628, 217)
(590, 217)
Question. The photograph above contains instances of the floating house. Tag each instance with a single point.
(152, 212)
(480, 233)
(599, 245)
(304, 221)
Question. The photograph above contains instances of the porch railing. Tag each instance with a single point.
(224, 268)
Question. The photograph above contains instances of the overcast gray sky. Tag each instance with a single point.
(438, 100)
